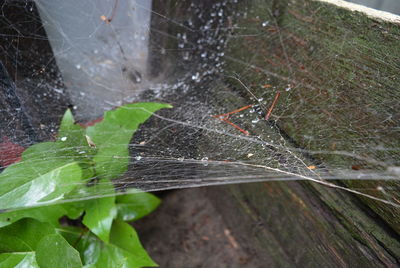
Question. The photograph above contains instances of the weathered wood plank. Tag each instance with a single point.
(340, 69)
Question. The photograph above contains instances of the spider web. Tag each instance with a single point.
(204, 58)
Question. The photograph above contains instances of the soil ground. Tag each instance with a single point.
(187, 231)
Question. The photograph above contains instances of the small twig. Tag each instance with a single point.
(235, 126)
(272, 105)
(233, 112)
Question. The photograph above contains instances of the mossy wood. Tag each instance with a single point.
(341, 71)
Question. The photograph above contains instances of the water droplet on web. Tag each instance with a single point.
(78, 66)
(394, 171)
(205, 161)
(138, 157)
(63, 139)
(181, 159)
(195, 76)
(186, 55)
(265, 23)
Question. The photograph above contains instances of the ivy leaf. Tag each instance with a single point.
(123, 250)
(31, 183)
(100, 212)
(135, 205)
(43, 150)
(126, 243)
(49, 214)
(69, 131)
(30, 238)
(18, 260)
(71, 145)
(88, 245)
(72, 138)
(53, 251)
(113, 134)
(23, 235)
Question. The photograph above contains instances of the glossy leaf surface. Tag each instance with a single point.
(32, 183)
(53, 251)
(18, 260)
(135, 205)
(100, 212)
(23, 235)
(112, 136)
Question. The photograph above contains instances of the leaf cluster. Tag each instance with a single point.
(79, 165)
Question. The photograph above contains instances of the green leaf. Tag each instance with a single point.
(88, 245)
(123, 250)
(126, 239)
(43, 150)
(23, 235)
(112, 136)
(70, 145)
(100, 212)
(135, 205)
(49, 214)
(18, 260)
(53, 251)
(32, 183)
(72, 137)
(69, 130)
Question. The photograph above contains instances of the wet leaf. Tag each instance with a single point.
(123, 250)
(88, 245)
(136, 204)
(23, 235)
(33, 183)
(100, 212)
(53, 251)
(72, 137)
(126, 243)
(49, 214)
(113, 134)
(20, 260)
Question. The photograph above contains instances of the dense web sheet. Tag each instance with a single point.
(206, 58)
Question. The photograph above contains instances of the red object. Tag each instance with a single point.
(10, 152)
(91, 123)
